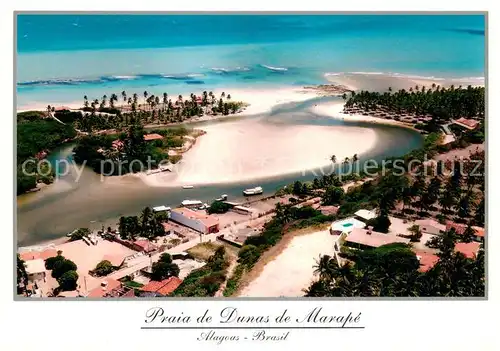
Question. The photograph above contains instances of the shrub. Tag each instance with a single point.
(248, 255)
(62, 266)
(68, 281)
(218, 207)
(103, 268)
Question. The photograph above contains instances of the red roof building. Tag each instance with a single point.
(195, 220)
(468, 249)
(153, 136)
(163, 288)
(364, 238)
(107, 285)
(35, 255)
(427, 260)
(145, 245)
(460, 229)
(467, 123)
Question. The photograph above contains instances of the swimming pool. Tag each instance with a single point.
(346, 225)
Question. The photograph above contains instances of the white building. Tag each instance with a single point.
(204, 224)
(35, 270)
(365, 215)
(430, 226)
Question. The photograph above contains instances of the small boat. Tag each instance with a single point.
(71, 233)
(191, 203)
(253, 191)
(223, 197)
(203, 207)
(187, 187)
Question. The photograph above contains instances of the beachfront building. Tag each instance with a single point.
(460, 230)
(367, 238)
(35, 270)
(159, 289)
(430, 226)
(242, 210)
(204, 224)
(33, 255)
(162, 209)
(364, 215)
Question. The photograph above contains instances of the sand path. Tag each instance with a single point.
(293, 268)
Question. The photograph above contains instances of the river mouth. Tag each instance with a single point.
(90, 202)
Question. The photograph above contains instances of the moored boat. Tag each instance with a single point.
(253, 191)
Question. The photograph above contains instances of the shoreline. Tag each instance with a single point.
(336, 110)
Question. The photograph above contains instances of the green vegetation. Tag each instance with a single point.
(103, 268)
(37, 135)
(148, 225)
(68, 281)
(287, 218)
(205, 281)
(148, 109)
(132, 284)
(164, 268)
(62, 266)
(21, 275)
(233, 281)
(393, 270)
(218, 207)
(202, 251)
(442, 104)
(64, 271)
(132, 154)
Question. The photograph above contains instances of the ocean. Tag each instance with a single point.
(61, 58)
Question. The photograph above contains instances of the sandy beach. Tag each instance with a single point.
(252, 149)
(294, 267)
(259, 100)
(335, 110)
(381, 81)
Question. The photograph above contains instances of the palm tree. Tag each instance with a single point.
(49, 110)
(229, 96)
(223, 95)
(85, 101)
(323, 267)
(355, 158)
(333, 158)
(145, 96)
(165, 100)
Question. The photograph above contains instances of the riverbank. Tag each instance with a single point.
(253, 149)
(269, 148)
(336, 110)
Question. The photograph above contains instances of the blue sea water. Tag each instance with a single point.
(63, 57)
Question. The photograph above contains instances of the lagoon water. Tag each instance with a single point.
(61, 58)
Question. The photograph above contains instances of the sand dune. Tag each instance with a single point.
(252, 149)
